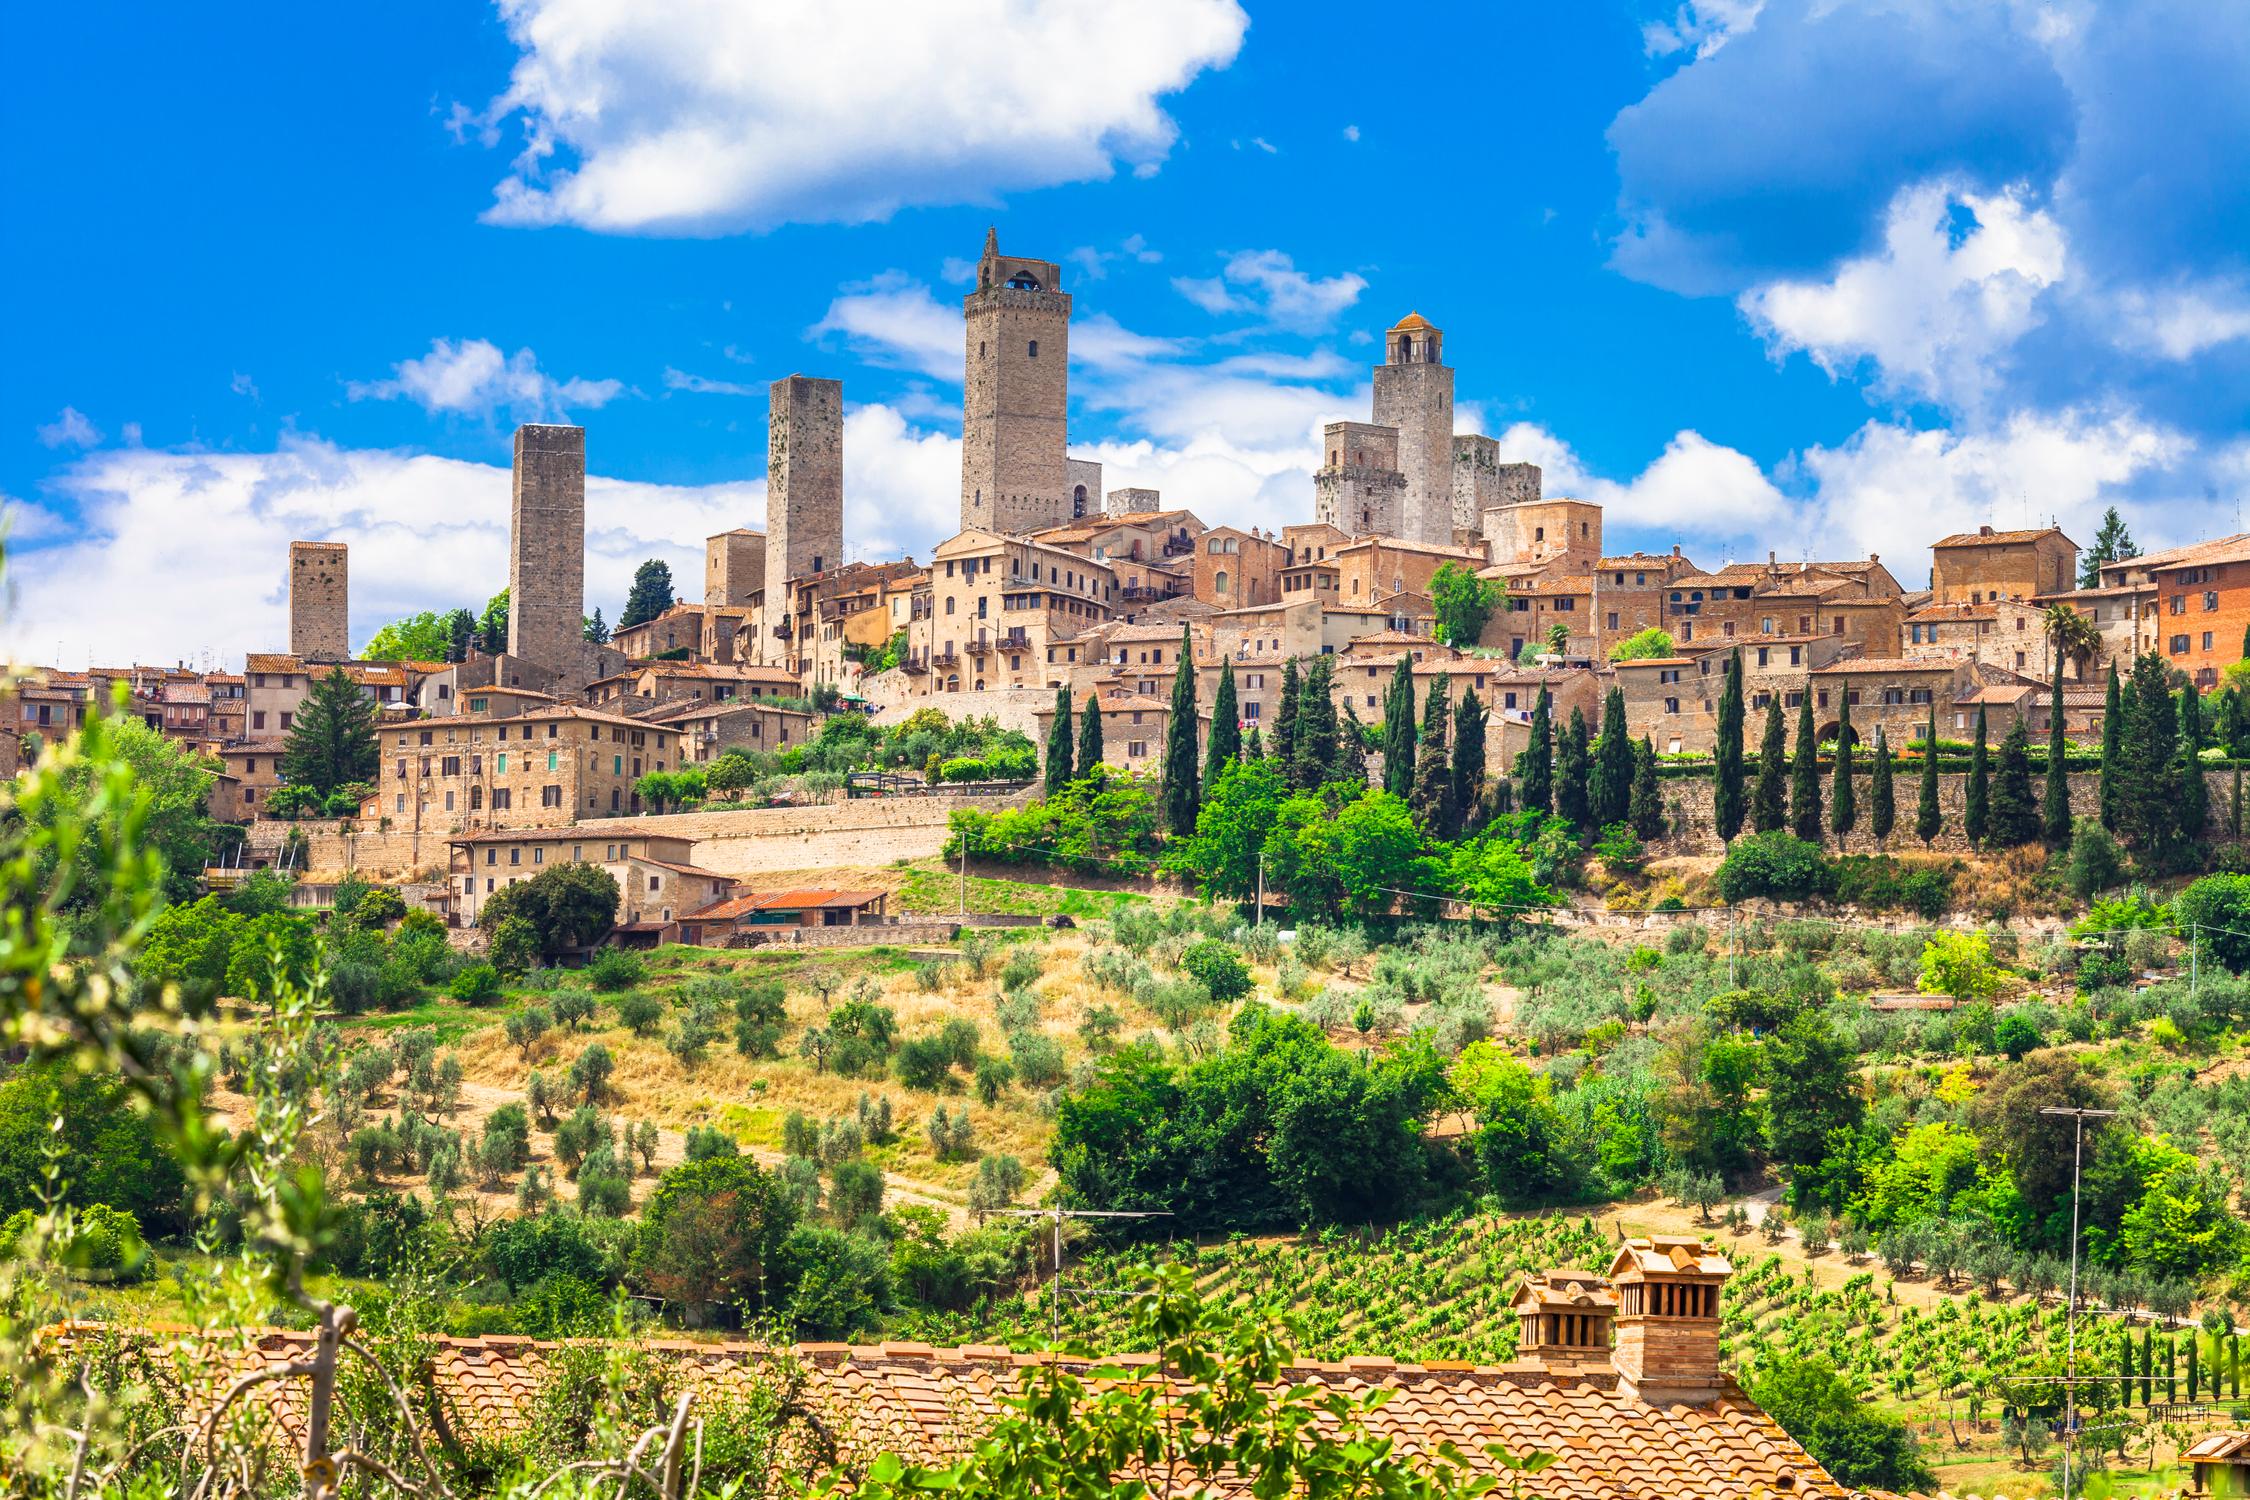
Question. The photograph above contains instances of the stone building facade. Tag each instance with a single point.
(804, 477)
(1132, 502)
(1976, 567)
(1414, 396)
(547, 546)
(1083, 476)
(1015, 395)
(1359, 487)
(1476, 481)
(320, 601)
(734, 562)
(539, 769)
(997, 604)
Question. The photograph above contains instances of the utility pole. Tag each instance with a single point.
(964, 887)
(2079, 1116)
(2195, 954)
(1057, 1215)
(1259, 920)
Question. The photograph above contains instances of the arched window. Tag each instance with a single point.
(1023, 281)
(1220, 581)
(949, 604)
(1078, 502)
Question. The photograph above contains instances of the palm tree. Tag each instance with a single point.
(2075, 637)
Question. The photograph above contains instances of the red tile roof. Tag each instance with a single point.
(742, 906)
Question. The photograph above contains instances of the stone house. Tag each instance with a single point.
(656, 884)
(2198, 609)
(737, 920)
(1234, 567)
(1629, 594)
(1535, 605)
(708, 730)
(540, 769)
(678, 628)
(2008, 631)
(1858, 600)
(449, 687)
(279, 682)
(1133, 727)
(1376, 567)
(1976, 567)
(997, 604)
(230, 717)
(253, 770)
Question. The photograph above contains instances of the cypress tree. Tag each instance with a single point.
(1254, 748)
(1314, 752)
(1976, 803)
(1351, 749)
(1926, 819)
(2013, 814)
(1882, 805)
(332, 741)
(1843, 802)
(1609, 789)
(1571, 804)
(1090, 735)
(1398, 729)
(2234, 721)
(1804, 775)
(1225, 747)
(1537, 794)
(1769, 807)
(651, 594)
(1432, 798)
(1058, 744)
(2113, 730)
(1468, 756)
(2054, 807)
(1647, 808)
(2234, 819)
(2195, 792)
(2148, 771)
(2148, 1366)
(1726, 758)
(1183, 787)
(1285, 718)
(460, 634)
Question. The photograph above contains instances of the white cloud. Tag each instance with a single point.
(895, 320)
(1267, 282)
(1351, 132)
(1701, 26)
(704, 385)
(2181, 322)
(1956, 284)
(1694, 488)
(473, 378)
(707, 116)
(71, 428)
(243, 385)
(1092, 262)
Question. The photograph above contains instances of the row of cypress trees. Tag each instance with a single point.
(1590, 780)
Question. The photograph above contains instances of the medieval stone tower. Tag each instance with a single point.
(1414, 393)
(1015, 395)
(804, 478)
(734, 567)
(319, 601)
(547, 547)
(1476, 480)
(1359, 488)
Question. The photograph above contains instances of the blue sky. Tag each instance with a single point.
(1823, 277)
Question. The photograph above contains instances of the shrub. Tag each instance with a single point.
(616, 969)
(478, 984)
(707, 1141)
(2095, 862)
(590, 1073)
(2217, 910)
(1214, 965)
(999, 1179)
(1777, 865)
(2016, 1034)
(639, 1012)
(924, 1062)
(1038, 1059)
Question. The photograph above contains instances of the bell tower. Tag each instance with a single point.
(1015, 395)
(1414, 393)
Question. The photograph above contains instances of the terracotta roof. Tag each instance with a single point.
(271, 661)
(608, 828)
(2001, 693)
(1413, 322)
(2216, 550)
(1392, 638)
(742, 906)
(1396, 544)
(929, 1404)
(1654, 661)
(1987, 537)
(1668, 1255)
(1855, 666)
(1929, 613)
(678, 869)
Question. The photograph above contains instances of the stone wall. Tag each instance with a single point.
(547, 547)
(1083, 476)
(1687, 809)
(1011, 708)
(903, 934)
(320, 601)
(1476, 479)
(804, 478)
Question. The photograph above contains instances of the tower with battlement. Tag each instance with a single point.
(547, 547)
(1015, 393)
(804, 478)
(320, 601)
(1414, 393)
(1359, 488)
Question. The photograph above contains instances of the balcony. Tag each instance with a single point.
(944, 659)
(978, 646)
(914, 664)
(1178, 547)
(1016, 640)
(1141, 593)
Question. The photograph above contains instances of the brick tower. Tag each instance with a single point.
(1015, 394)
(1414, 393)
(804, 478)
(319, 601)
(547, 547)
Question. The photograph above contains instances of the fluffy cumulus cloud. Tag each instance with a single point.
(473, 378)
(1700, 26)
(707, 116)
(1954, 287)
(1268, 285)
(1695, 490)
(71, 428)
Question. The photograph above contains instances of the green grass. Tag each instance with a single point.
(929, 889)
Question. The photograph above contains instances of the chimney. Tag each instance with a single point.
(1984, 531)
(1564, 1318)
(1668, 1320)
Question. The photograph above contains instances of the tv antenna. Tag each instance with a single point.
(1057, 1215)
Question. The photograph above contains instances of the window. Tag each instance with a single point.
(501, 763)
(1612, 625)
(258, 719)
(515, 856)
(2206, 646)
(1034, 348)
(1136, 749)
(1671, 705)
(2177, 604)
(2210, 599)
(538, 856)
(2179, 645)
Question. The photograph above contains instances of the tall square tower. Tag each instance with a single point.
(319, 601)
(1476, 480)
(734, 566)
(1358, 488)
(1414, 393)
(547, 546)
(804, 478)
(1015, 395)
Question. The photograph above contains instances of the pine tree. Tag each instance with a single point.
(1609, 788)
(1646, 812)
(2112, 543)
(461, 635)
(1090, 735)
(2054, 806)
(1726, 760)
(1843, 801)
(1804, 775)
(1976, 802)
(1432, 798)
(1254, 748)
(596, 631)
(1351, 749)
(1226, 726)
(1398, 729)
(2113, 739)
(1315, 749)
(1572, 802)
(1537, 794)
(1882, 804)
(1058, 744)
(1183, 789)
(1769, 806)
(1468, 756)
(1926, 820)
(651, 594)
(2014, 815)
(2195, 793)
(2234, 721)
(2148, 750)
(333, 739)
(1285, 717)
